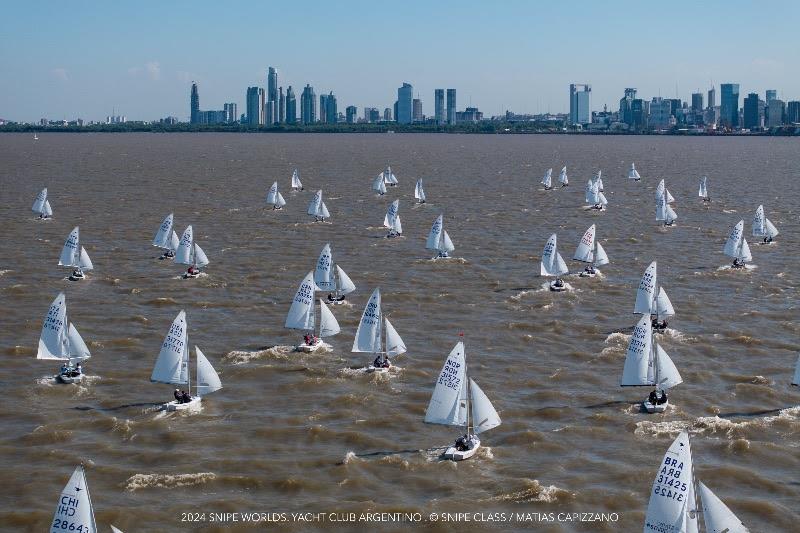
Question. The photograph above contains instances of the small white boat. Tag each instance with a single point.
(172, 367)
(297, 185)
(590, 251)
(552, 264)
(74, 511)
(60, 341)
(763, 227)
(275, 198)
(74, 255)
(190, 253)
(370, 336)
(166, 238)
(379, 184)
(736, 247)
(389, 178)
(439, 240)
(594, 195)
(41, 205)
(419, 192)
(317, 208)
(703, 191)
(35, 137)
(302, 316)
(334, 280)
(664, 212)
(562, 177)
(458, 401)
(392, 220)
(633, 174)
(652, 299)
(547, 180)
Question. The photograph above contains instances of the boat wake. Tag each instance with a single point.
(240, 357)
(728, 267)
(713, 425)
(533, 491)
(167, 481)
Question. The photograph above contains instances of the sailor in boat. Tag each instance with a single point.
(76, 274)
(657, 324)
(464, 443)
(333, 298)
(558, 283)
(310, 339)
(168, 254)
(737, 263)
(590, 270)
(442, 253)
(707, 199)
(768, 239)
(380, 362)
(192, 271)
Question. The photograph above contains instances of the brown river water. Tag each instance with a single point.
(310, 433)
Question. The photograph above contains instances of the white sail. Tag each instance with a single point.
(71, 251)
(448, 404)
(115, 529)
(633, 174)
(663, 304)
(435, 234)
(323, 274)
(172, 365)
(272, 194)
(315, 203)
(446, 245)
(84, 263)
(601, 199)
(77, 348)
(74, 508)
(391, 213)
(672, 505)
(598, 180)
(296, 184)
(183, 254)
(328, 325)
(48, 211)
(661, 208)
(174, 242)
(646, 293)
(397, 226)
(161, 240)
(600, 257)
(771, 230)
(703, 191)
(207, 378)
(671, 215)
(53, 343)
(419, 192)
(637, 370)
(552, 264)
(591, 193)
(796, 379)
(547, 180)
(717, 516)
(585, 250)
(670, 199)
(744, 251)
(345, 284)
(733, 246)
(200, 258)
(660, 188)
(394, 344)
(389, 177)
(323, 211)
(368, 334)
(562, 177)
(38, 203)
(378, 185)
(667, 372)
(759, 229)
(484, 416)
(279, 201)
(301, 313)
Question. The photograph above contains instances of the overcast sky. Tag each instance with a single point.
(86, 58)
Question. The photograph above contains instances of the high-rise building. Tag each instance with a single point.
(697, 101)
(331, 116)
(194, 106)
(729, 105)
(308, 105)
(660, 113)
(439, 111)
(580, 103)
(772, 94)
(626, 106)
(793, 112)
(230, 112)
(291, 106)
(639, 112)
(451, 106)
(281, 106)
(416, 110)
(272, 85)
(712, 97)
(270, 112)
(387, 114)
(776, 110)
(751, 119)
(255, 106)
(323, 108)
(405, 96)
(351, 112)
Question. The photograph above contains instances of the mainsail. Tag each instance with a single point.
(162, 238)
(419, 193)
(74, 508)
(368, 334)
(552, 264)
(672, 504)
(301, 313)
(172, 365)
(448, 404)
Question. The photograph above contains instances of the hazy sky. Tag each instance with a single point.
(68, 59)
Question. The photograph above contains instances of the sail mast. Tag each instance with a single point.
(654, 351)
(466, 379)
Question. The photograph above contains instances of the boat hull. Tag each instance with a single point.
(61, 378)
(309, 348)
(453, 454)
(555, 288)
(657, 408)
(377, 370)
(175, 406)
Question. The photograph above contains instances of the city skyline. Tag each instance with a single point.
(145, 75)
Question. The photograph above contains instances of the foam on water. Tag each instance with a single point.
(534, 491)
(715, 424)
(277, 353)
(167, 481)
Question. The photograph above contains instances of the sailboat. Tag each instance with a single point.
(598, 179)
(652, 299)
(329, 279)
(389, 178)
(60, 342)
(296, 184)
(172, 367)
(458, 401)
(41, 205)
(419, 193)
(703, 191)
(379, 185)
(275, 198)
(190, 253)
(796, 379)
(736, 246)
(562, 177)
(74, 510)
(166, 238)
(595, 196)
(552, 264)
(664, 211)
(673, 499)
(35, 137)
(647, 364)
(302, 315)
(439, 240)
(370, 336)
(763, 227)
(633, 174)
(590, 251)
(317, 208)
(74, 255)
(547, 180)
(392, 220)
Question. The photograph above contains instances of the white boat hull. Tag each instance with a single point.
(658, 408)
(586, 274)
(69, 379)
(453, 454)
(309, 348)
(175, 406)
(336, 301)
(555, 288)
(377, 370)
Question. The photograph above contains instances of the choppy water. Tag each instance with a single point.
(293, 432)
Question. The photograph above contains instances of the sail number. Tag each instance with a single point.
(371, 314)
(304, 294)
(450, 375)
(66, 525)
(173, 340)
(668, 483)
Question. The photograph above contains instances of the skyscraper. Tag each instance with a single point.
(323, 108)
(793, 112)
(308, 105)
(438, 106)
(255, 106)
(772, 94)
(751, 118)
(405, 96)
(281, 106)
(580, 103)
(272, 85)
(230, 113)
(697, 101)
(451, 106)
(626, 106)
(327, 108)
(351, 112)
(291, 106)
(729, 105)
(416, 113)
(712, 97)
(776, 109)
(194, 105)
(387, 114)
(270, 115)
